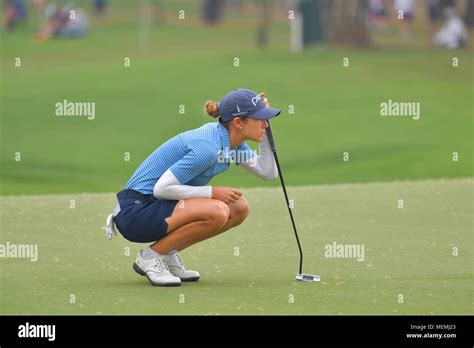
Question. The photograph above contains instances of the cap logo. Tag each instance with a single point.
(238, 109)
(256, 99)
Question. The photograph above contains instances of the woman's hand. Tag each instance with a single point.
(226, 194)
(265, 100)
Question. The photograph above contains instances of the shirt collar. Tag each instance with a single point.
(225, 138)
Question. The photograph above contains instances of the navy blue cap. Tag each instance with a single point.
(244, 102)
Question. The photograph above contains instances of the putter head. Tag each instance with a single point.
(308, 278)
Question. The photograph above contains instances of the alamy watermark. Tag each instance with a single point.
(26, 251)
(334, 250)
(237, 156)
(67, 108)
(406, 109)
(37, 331)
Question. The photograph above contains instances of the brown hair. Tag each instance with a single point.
(212, 108)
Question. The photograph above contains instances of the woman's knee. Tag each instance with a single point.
(239, 210)
(190, 210)
(218, 212)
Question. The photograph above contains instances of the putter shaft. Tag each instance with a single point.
(272, 144)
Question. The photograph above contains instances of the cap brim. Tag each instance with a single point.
(265, 113)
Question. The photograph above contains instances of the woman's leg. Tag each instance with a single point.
(197, 219)
(238, 213)
(191, 219)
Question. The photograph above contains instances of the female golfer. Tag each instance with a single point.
(166, 201)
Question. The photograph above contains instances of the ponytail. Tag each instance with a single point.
(212, 109)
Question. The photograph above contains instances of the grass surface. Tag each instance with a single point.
(408, 251)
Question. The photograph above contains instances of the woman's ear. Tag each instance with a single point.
(237, 122)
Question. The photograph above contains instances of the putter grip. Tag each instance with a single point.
(270, 136)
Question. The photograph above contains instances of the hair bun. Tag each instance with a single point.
(212, 108)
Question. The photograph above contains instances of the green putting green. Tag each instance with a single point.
(416, 259)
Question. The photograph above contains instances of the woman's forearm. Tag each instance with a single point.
(169, 187)
(263, 165)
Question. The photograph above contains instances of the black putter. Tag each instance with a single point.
(299, 276)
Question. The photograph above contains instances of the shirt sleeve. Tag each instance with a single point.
(201, 155)
(263, 165)
(244, 154)
(168, 187)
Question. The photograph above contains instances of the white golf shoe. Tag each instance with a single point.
(176, 267)
(156, 270)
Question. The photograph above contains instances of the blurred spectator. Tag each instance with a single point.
(377, 14)
(65, 22)
(434, 10)
(13, 12)
(407, 8)
(469, 13)
(39, 5)
(453, 34)
(447, 3)
(212, 11)
(264, 10)
(404, 11)
(99, 7)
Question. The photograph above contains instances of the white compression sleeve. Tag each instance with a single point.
(169, 187)
(263, 165)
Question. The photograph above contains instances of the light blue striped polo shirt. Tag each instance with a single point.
(194, 157)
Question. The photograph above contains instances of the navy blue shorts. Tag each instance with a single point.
(142, 217)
